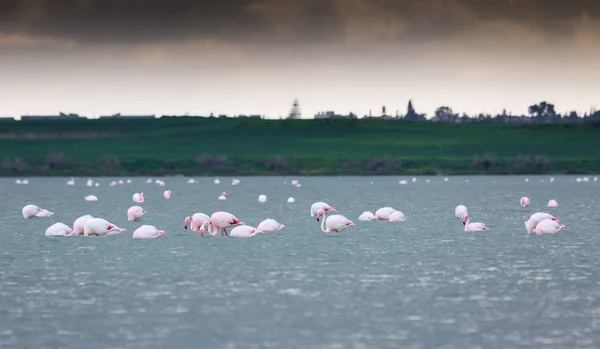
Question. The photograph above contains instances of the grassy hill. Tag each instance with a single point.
(193, 146)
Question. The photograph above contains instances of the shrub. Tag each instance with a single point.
(276, 163)
(383, 165)
(14, 165)
(55, 161)
(486, 161)
(211, 162)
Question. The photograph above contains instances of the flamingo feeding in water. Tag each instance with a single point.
(32, 211)
(100, 227)
(469, 227)
(244, 231)
(79, 223)
(397, 216)
(335, 223)
(367, 216)
(220, 220)
(223, 196)
(262, 198)
(524, 201)
(139, 197)
(269, 225)
(91, 198)
(196, 220)
(59, 229)
(147, 232)
(548, 226)
(552, 203)
(535, 219)
(383, 214)
(135, 213)
(320, 205)
(167, 194)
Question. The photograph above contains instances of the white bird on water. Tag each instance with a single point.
(262, 198)
(91, 198)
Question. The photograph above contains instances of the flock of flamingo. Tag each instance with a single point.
(540, 223)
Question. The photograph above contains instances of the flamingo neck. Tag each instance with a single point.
(323, 222)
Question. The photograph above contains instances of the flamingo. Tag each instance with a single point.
(220, 220)
(167, 194)
(44, 213)
(147, 232)
(524, 201)
(291, 200)
(460, 211)
(31, 211)
(135, 213)
(383, 214)
(99, 227)
(367, 216)
(235, 181)
(262, 198)
(113, 184)
(223, 196)
(91, 198)
(139, 197)
(269, 225)
(535, 219)
(79, 223)
(320, 205)
(335, 223)
(552, 203)
(59, 229)
(244, 231)
(397, 216)
(548, 226)
(217, 181)
(197, 220)
(469, 227)
(71, 181)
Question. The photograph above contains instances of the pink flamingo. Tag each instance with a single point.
(552, 203)
(167, 194)
(320, 205)
(397, 216)
(135, 213)
(223, 196)
(244, 231)
(548, 226)
(196, 220)
(138, 197)
(79, 223)
(269, 225)
(469, 227)
(147, 232)
(220, 220)
(524, 201)
(335, 223)
(536, 218)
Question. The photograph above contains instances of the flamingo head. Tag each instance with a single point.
(465, 219)
(202, 227)
(224, 194)
(350, 224)
(185, 223)
(236, 221)
(161, 232)
(319, 215)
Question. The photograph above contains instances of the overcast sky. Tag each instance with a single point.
(97, 57)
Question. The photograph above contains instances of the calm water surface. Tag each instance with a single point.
(422, 283)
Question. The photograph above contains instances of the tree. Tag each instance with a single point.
(543, 112)
(445, 114)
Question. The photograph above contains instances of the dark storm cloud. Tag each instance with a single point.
(151, 21)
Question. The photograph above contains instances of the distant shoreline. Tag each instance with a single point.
(324, 147)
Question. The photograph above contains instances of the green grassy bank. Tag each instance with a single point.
(197, 146)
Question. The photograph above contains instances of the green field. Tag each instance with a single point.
(195, 146)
